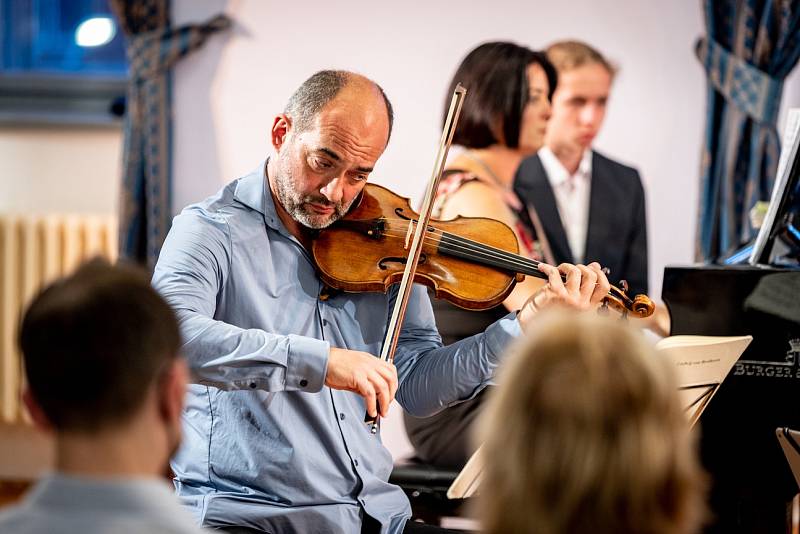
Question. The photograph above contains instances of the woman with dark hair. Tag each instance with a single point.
(503, 120)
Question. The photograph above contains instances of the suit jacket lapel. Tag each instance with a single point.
(533, 188)
(599, 229)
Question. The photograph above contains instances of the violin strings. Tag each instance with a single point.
(476, 250)
(470, 252)
(484, 251)
(464, 255)
(479, 251)
(481, 248)
(510, 261)
(465, 246)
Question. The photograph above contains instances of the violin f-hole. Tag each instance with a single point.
(400, 212)
(383, 264)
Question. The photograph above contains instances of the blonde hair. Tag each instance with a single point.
(585, 434)
(569, 55)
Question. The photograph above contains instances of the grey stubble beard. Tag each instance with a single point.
(296, 205)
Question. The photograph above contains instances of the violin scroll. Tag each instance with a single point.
(641, 305)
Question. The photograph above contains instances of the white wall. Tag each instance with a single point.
(60, 170)
(227, 93)
(52, 170)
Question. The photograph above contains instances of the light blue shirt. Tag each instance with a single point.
(266, 443)
(69, 504)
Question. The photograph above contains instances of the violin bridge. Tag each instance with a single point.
(409, 233)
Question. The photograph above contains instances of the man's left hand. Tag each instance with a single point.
(584, 288)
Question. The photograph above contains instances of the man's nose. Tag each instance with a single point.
(590, 115)
(334, 190)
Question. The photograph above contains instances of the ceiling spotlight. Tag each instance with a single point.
(95, 31)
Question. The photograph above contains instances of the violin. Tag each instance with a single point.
(472, 262)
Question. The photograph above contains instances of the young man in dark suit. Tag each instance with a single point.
(591, 207)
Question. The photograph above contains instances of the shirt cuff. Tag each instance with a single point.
(501, 334)
(307, 364)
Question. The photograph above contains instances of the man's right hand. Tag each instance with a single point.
(363, 373)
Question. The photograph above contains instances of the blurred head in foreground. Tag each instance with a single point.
(100, 349)
(586, 434)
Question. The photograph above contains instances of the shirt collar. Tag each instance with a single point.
(557, 174)
(252, 191)
(585, 166)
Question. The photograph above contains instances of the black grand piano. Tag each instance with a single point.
(752, 485)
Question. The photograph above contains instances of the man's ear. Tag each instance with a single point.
(280, 129)
(172, 390)
(35, 411)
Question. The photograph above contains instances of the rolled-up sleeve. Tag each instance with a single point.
(191, 271)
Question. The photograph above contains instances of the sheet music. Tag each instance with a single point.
(788, 152)
(702, 359)
(466, 483)
(693, 397)
(701, 364)
(789, 136)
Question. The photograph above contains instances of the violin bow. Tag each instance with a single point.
(406, 283)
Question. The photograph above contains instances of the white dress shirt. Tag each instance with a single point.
(572, 197)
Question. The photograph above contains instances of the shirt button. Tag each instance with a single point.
(355, 462)
(341, 416)
(303, 383)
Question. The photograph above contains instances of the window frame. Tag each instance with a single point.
(56, 97)
(28, 99)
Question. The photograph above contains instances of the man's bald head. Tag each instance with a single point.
(321, 88)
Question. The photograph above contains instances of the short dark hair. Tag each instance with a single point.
(94, 343)
(322, 87)
(496, 80)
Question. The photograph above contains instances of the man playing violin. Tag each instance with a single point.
(283, 371)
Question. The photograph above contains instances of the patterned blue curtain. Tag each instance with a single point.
(750, 48)
(153, 47)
